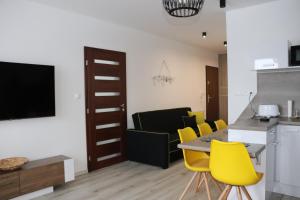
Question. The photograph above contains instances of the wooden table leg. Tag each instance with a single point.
(188, 185)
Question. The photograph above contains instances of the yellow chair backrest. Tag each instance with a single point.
(230, 163)
(204, 129)
(187, 135)
(220, 124)
(199, 116)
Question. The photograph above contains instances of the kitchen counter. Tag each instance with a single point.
(289, 121)
(257, 125)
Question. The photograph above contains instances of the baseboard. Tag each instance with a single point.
(35, 194)
(79, 173)
(287, 189)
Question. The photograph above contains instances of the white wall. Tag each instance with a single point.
(257, 32)
(34, 33)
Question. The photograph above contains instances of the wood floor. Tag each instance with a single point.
(134, 181)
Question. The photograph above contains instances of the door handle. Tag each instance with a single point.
(209, 98)
(272, 132)
(122, 107)
(275, 143)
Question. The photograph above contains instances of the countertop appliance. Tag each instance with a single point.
(268, 111)
(266, 63)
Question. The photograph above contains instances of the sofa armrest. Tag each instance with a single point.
(148, 147)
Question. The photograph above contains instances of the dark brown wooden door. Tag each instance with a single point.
(106, 117)
(212, 93)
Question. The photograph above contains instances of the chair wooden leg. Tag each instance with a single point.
(188, 185)
(201, 180)
(221, 197)
(246, 193)
(238, 190)
(216, 183)
(194, 185)
(206, 184)
(228, 192)
(197, 181)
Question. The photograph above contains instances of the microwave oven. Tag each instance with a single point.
(295, 55)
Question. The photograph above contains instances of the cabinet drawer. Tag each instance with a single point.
(9, 185)
(41, 177)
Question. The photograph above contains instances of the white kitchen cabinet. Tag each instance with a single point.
(288, 156)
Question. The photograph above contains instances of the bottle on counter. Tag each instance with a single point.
(290, 108)
(297, 113)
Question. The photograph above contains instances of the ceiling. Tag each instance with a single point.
(149, 16)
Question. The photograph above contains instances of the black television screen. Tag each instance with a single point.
(26, 91)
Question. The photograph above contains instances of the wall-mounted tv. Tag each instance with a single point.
(26, 91)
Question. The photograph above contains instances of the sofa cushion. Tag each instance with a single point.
(212, 125)
(190, 122)
(168, 120)
(199, 116)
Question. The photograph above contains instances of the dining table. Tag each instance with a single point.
(203, 144)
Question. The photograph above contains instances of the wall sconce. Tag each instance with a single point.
(164, 76)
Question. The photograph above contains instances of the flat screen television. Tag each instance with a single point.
(26, 91)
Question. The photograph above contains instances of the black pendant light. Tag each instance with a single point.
(183, 8)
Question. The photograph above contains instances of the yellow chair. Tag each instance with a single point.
(204, 129)
(230, 163)
(195, 161)
(220, 124)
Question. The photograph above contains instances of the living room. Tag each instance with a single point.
(165, 59)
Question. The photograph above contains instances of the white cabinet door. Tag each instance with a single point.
(288, 155)
(270, 167)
